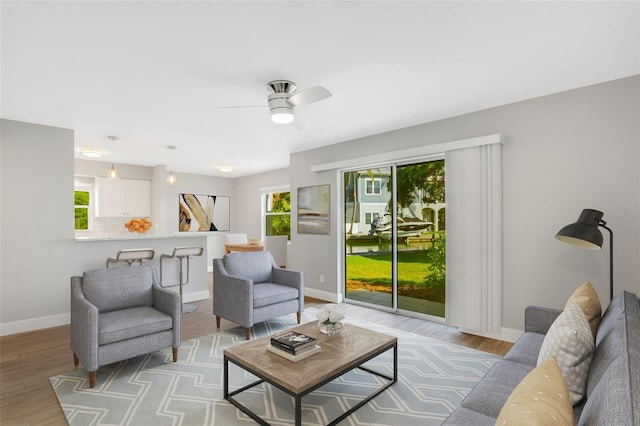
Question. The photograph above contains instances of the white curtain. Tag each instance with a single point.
(474, 239)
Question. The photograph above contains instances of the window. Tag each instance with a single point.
(278, 214)
(370, 217)
(373, 186)
(82, 204)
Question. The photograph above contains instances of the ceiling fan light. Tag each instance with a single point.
(90, 152)
(282, 115)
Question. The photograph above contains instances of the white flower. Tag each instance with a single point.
(330, 313)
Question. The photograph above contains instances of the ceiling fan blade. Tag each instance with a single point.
(240, 106)
(299, 122)
(308, 96)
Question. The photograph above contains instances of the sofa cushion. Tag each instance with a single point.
(255, 266)
(118, 288)
(466, 417)
(526, 349)
(588, 300)
(570, 341)
(490, 394)
(616, 398)
(268, 293)
(541, 398)
(129, 323)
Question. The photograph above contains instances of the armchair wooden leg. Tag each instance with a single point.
(76, 361)
(217, 321)
(175, 354)
(92, 378)
(298, 315)
(247, 333)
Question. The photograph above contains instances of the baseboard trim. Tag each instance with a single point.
(506, 334)
(40, 323)
(323, 295)
(195, 296)
(511, 334)
(32, 324)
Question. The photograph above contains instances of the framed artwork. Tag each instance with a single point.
(313, 209)
(203, 213)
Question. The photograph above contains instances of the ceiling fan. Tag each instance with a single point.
(284, 97)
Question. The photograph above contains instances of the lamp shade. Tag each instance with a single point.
(171, 179)
(584, 233)
(113, 173)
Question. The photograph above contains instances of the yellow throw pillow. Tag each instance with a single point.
(587, 298)
(541, 398)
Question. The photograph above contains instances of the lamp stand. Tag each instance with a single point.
(602, 224)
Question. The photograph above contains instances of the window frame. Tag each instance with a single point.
(89, 207)
(376, 183)
(267, 205)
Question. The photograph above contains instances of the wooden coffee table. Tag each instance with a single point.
(339, 354)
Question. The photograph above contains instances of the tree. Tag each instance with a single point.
(437, 269)
(425, 179)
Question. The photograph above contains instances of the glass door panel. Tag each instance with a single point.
(368, 241)
(421, 238)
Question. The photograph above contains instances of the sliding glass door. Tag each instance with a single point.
(395, 257)
(368, 242)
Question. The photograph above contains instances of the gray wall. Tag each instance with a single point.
(249, 190)
(562, 153)
(37, 220)
(38, 252)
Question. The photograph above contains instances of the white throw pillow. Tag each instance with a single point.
(569, 339)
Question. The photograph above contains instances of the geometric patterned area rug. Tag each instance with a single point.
(433, 378)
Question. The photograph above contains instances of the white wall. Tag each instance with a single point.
(563, 152)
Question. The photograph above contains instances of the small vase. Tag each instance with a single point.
(330, 328)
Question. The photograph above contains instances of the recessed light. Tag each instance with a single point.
(225, 169)
(91, 152)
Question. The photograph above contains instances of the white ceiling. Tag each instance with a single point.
(154, 73)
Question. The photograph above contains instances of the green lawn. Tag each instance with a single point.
(376, 269)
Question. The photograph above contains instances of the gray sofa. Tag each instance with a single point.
(613, 382)
(120, 313)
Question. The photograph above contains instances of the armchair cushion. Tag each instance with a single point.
(255, 266)
(132, 322)
(268, 293)
(118, 288)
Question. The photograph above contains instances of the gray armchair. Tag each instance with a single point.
(120, 313)
(249, 288)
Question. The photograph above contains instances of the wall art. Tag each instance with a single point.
(313, 209)
(203, 213)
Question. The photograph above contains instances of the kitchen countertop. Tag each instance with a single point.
(136, 236)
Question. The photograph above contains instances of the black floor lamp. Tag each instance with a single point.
(585, 233)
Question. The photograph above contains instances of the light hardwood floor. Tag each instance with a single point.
(27, 360)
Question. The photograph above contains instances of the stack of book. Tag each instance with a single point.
(293, 345)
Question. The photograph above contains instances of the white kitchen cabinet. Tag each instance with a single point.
(123, 198)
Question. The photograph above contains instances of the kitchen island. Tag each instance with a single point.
(93, 251)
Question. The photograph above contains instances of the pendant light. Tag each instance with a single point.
(171, 178)
(113, 173)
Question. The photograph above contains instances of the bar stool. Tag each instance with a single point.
(181, 253)
(131, 256)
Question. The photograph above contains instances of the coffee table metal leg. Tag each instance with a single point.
(225, 379)
(298, 409)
